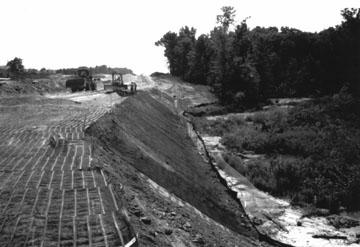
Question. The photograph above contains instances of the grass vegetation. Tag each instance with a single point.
(312, 151)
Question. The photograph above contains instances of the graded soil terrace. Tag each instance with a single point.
(55, 195)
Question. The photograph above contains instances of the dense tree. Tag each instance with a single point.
(169, 40)
(179, 48)
(103, 69)
(199, 60)
(227, 17)
(15, 66)
(246, 65)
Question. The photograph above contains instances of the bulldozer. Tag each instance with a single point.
(82, 80)
(117, 85)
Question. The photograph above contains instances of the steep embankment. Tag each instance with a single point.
(149, 136)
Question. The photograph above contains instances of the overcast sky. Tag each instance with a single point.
(71, 33)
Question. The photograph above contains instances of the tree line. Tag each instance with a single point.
(102, 69)
(245, 66)
(16, 69)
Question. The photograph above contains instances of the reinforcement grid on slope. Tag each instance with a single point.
(54, 196)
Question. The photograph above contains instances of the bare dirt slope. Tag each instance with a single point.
(151, 137)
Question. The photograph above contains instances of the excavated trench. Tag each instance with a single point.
(153, 138)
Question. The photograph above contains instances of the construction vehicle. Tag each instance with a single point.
(117, 85)
(82, 80)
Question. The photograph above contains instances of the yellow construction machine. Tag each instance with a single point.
(117, 85)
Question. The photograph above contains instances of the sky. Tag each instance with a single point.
(121, 33)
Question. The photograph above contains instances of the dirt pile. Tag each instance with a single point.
(53, 83)
(149, 136)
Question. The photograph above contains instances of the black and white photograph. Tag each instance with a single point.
(192, 123)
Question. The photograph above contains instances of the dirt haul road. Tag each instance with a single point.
(56, 195)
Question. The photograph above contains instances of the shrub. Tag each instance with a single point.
(297, 141)
(207, 110)
(246, 138)
(287, 173)
(314, 151)
(274, 119)
(235, 162)
(259, 172)
(219, 127)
